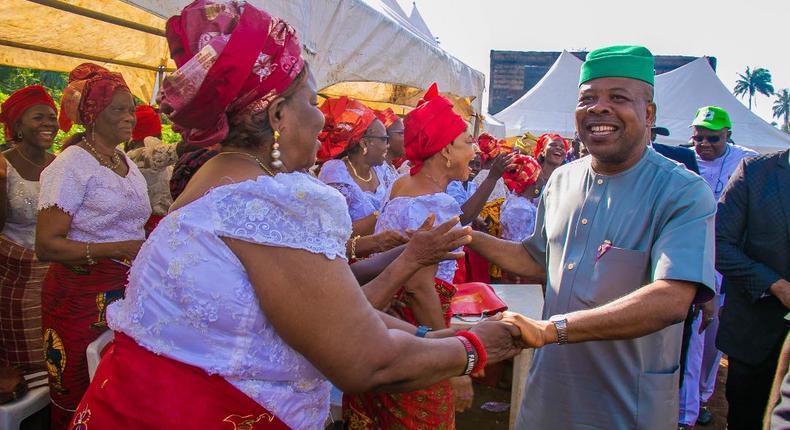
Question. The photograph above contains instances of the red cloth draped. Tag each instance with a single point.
(20, 101)
(73, 315)
(136, 389)
(429, 408)
(345, 122)
(88, 93)
(490, 147)
(545, 139)
(524, 173)
(233, 61)
(386, 116)
(477, 267)
(148, 123)
(431, 126)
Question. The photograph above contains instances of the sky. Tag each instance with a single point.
(753, 33)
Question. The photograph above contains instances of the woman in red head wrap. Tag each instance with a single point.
(241, 304)
(394, 125)
(551, 151)
(354, 146)
(155, 159)
(30, 119)
(93, 205)
(520, 207)
(439, 149)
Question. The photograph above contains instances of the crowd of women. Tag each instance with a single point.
(202, 275)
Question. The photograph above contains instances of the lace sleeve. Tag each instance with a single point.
(442, 205)
(291, 210)
(64, 183)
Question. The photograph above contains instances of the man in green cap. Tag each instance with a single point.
(717, 160)
(625, 238)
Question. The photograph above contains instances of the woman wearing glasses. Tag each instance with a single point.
(353, 149)
(439, 149)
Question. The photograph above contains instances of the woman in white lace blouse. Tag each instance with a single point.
(30, 119)
(241, 303)
(92, 207)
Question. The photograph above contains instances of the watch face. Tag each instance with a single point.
(559, 317)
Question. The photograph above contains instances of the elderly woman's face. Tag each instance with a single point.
(376, 142)
(461, 153)
(301, 123)
(116, 122)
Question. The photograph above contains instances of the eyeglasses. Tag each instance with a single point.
(384, 138)
(395, 132)
(710, 139)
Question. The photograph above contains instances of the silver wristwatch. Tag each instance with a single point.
(561, 323)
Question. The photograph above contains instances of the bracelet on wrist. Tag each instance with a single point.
(422, 331)
(480, 351)
(471, 355)
(354, 247)
(88, 257)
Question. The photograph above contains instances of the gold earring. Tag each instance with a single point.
(276, 163)
(364, 150)
(449, 163)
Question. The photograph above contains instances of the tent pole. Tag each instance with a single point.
(71, 54)
(77, 10)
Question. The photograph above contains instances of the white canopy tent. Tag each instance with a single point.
(548, 107)
(494, 127)
(681, 92)
(369, 47)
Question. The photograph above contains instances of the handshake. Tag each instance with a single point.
(505, 335)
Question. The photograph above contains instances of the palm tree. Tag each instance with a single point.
(782, 107)
(753, 82)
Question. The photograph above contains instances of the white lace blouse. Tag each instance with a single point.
(104, 206)
(190, 299)
(517, 217)
(408, 213)
(20, 221)
(361, 203)
(500, 190)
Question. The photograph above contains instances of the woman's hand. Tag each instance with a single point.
(463, 393)
(388, 239)
(501, 339)
(429, 245)
(500, 165)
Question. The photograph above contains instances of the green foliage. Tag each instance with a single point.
(753, 82)
(781, 108)
(13, 78)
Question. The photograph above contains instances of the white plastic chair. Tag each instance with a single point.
(94, 350)
(12, 414)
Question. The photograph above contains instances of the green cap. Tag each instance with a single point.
(712, 118)
(635, 62)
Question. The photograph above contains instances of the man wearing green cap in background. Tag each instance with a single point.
(717, 160)
(625, 237)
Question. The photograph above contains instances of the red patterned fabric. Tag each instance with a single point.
(148, 123)
(345, 122)
(136, 389)
(387, 117)
(21, 275)
(429, 408)
(490, 147)
(524, 173)
(20, 101)
(88, 93)
(73, 306)
(545, 139)
(431, 126)
(233, 61)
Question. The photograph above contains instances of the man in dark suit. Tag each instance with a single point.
(753, 255)
(677, 153)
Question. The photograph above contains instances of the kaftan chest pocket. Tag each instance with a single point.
(615, 274)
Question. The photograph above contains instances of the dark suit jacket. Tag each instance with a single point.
(681, 155)
(753, 252)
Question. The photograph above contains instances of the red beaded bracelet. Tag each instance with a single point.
(482, 357)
